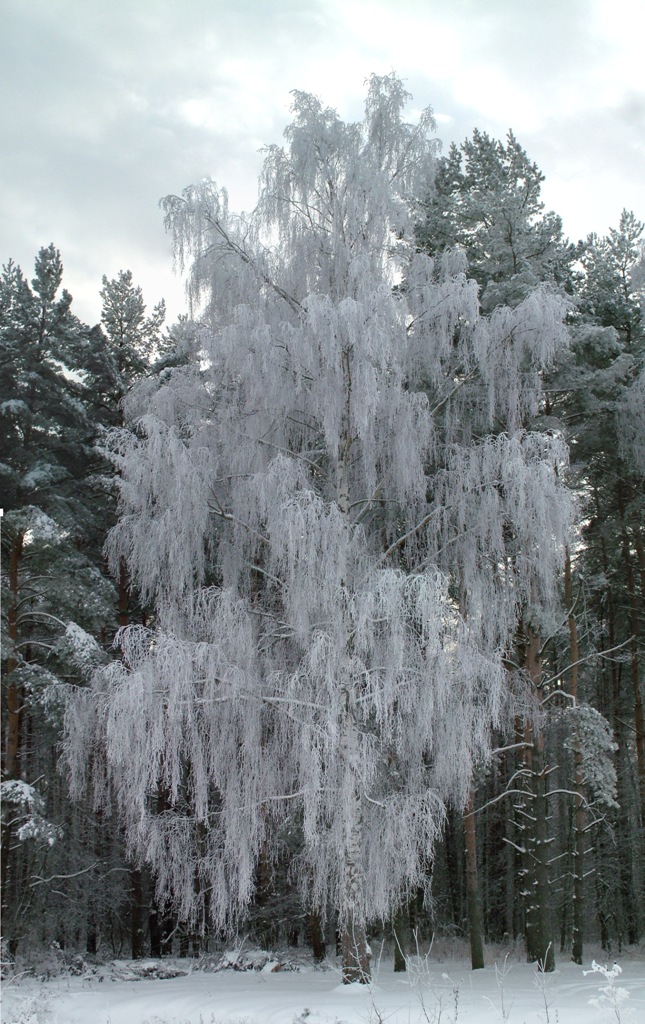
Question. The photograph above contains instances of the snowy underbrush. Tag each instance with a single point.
(252, 986)
(28, 995)
(438, 993)
(612, 996)
(46, 963)
(456, 948)
(256, 960)
(33, 1009)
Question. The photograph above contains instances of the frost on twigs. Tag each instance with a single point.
(23, 807)
(79, 648)
(591, 735)
(335, 538)
(612, 997)
(631, 434)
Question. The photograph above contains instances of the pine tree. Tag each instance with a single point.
(55, 597)
(603, 399)
(486, 198)
(134, 339)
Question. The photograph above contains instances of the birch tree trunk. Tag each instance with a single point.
(355, 950)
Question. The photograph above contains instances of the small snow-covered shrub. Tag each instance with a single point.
(27, 1010)
(612, 996)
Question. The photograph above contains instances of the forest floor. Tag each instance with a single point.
(292, 991)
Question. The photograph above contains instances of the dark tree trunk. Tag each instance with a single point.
(318, 948)
(578, 779)
(91, 944)
(639, 719)
(619, 907)
(14, 695)
(137, 916)
(475, 916)
(154, 923)
(454, 866)
(124, 594)
(263, 900)
(624, 907)
(167, 933)
(13, 722)
(539, 934)
(401, 935)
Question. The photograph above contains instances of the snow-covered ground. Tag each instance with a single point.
(436, 992)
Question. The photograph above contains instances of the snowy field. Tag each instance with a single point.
(434, 992)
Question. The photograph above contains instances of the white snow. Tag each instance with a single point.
(40, 526)
(81, 647)
(16, 791)
(438, 990)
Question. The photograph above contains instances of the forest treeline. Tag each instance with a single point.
(322, 612)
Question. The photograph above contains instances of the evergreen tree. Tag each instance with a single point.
(63, 387)
(486, 199)
(134, 340)
(55, 598)
(602, 396)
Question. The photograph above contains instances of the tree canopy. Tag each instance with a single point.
(287, 502)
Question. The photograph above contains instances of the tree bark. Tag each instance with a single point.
(14, 696)
(401, 935)
(619, 897)
(578, 778)
(640, 555)
(355, 949)
(639, 719)
(11, 745)
(475, 916)
(124, 594)
(137, 917)
(91, 942)
(318, 948)
(154, 923)
(539, 937)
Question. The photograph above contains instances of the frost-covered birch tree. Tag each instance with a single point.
(298, 506)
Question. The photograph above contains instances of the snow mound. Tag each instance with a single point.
(156, 969)
(255, 960)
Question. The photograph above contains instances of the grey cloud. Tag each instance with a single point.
(95, 127)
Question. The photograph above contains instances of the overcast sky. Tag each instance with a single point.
(105, 107)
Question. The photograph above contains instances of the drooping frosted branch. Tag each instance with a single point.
(349, 402)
